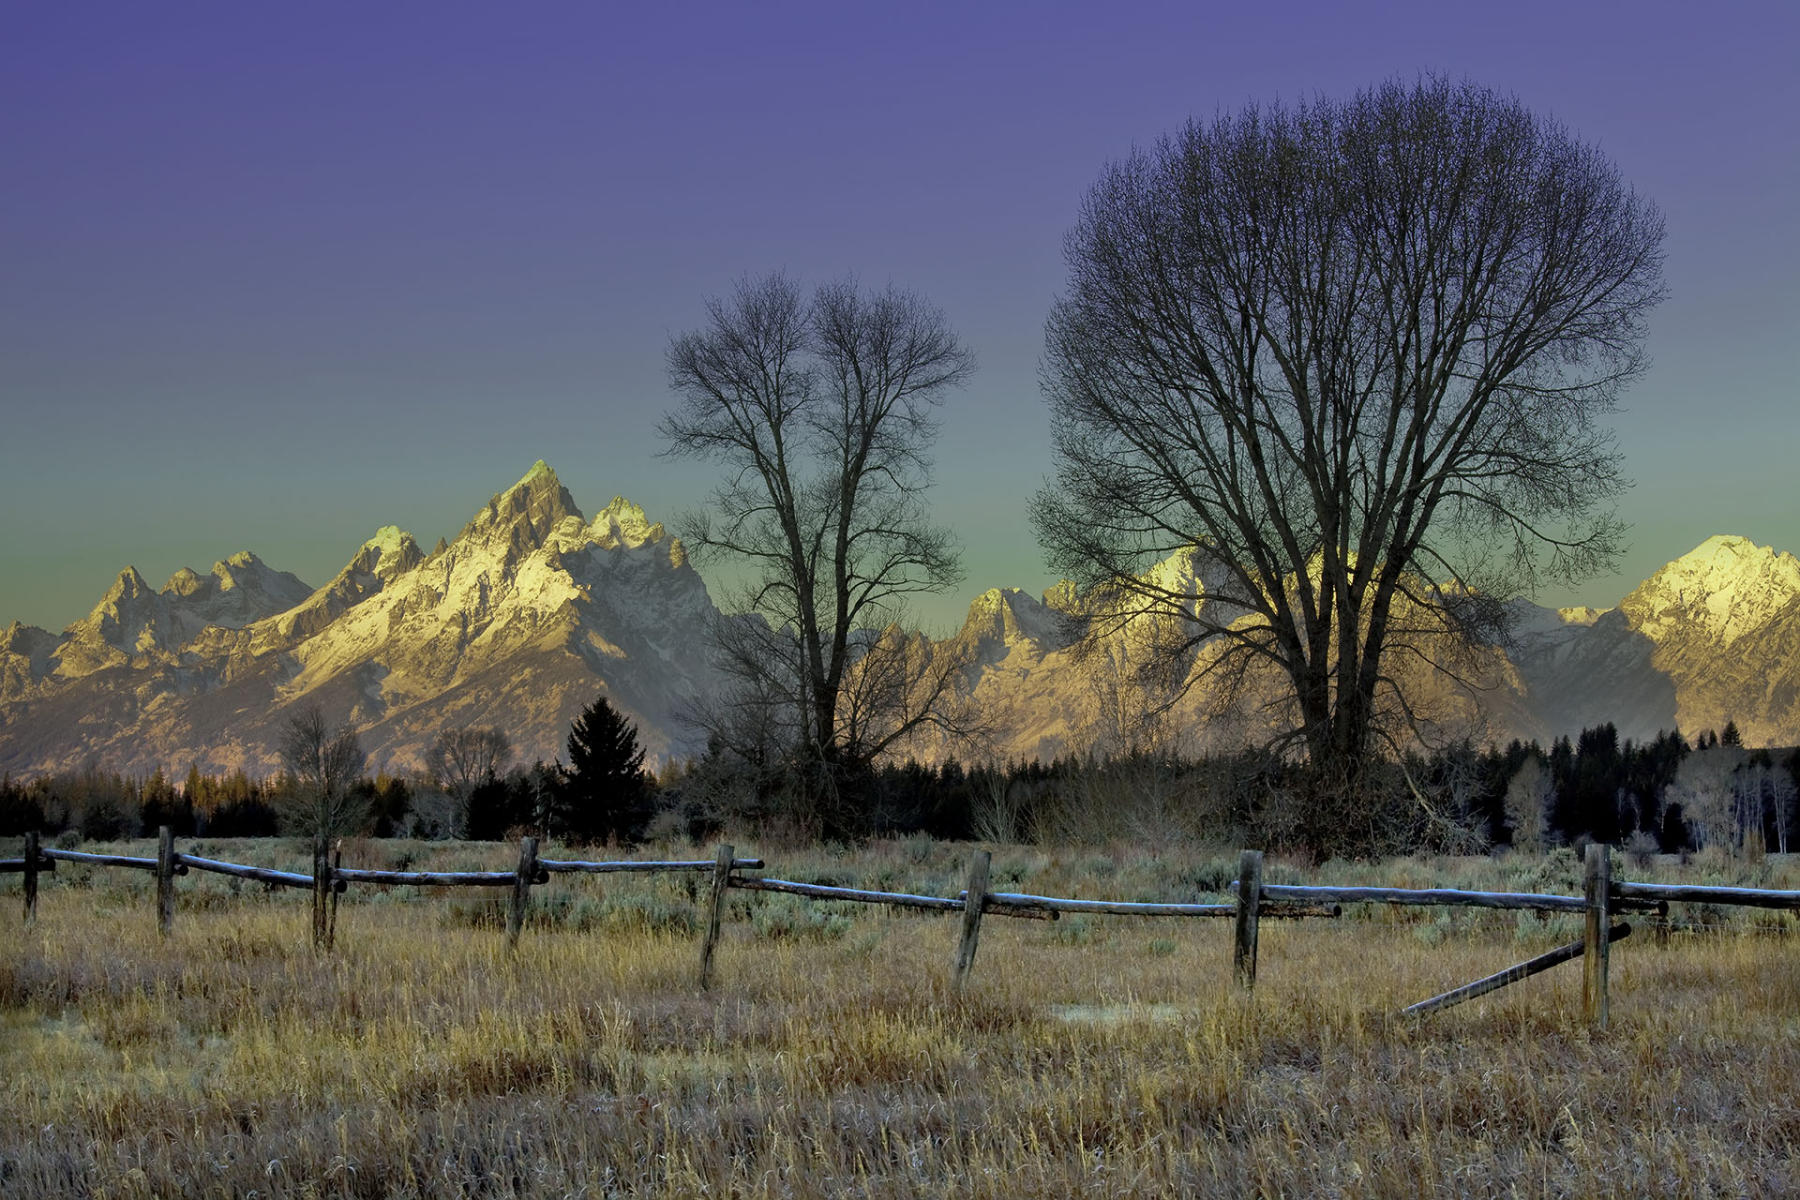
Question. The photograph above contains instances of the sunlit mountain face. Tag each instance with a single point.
(533, 609)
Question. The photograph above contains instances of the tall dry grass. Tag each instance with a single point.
(1090, 1057)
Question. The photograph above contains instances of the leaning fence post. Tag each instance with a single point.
(1249, 902)
(721, 880)
(521, 892)
(321, 889)
(974, 900)
(165, 879)
(31, 874)
(1597, 882)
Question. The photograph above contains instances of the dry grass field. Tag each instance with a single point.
(1107, 1056)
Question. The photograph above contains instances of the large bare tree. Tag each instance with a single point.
(325, 762)
(819, 407)
(1345, 348)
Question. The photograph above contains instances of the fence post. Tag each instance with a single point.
(337, 860)
(321, 889)
(1597, 882)
(1249, 902)
(31, 874)
(165, 879)
(721, 880)
(521, 892)
(974, 900)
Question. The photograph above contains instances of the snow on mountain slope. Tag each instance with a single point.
(133, 620)
(1724, 589)
(532, 610)
(1712, 636)
(520, 621)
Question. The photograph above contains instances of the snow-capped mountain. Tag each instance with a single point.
(532, 610)
(520, 621)
(1711, 637)
(1044, 691)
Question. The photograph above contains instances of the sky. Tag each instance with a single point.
(275, 275)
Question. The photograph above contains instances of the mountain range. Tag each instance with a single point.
(533, 610)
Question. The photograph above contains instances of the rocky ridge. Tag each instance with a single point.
(534, 609)
(520, 621)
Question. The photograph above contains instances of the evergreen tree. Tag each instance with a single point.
(605, 793)
(161, 805)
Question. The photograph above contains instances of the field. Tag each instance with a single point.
(1106, 1056)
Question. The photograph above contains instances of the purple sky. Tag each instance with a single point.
(274, 275)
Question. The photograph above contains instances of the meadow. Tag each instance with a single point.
(1096, 1056)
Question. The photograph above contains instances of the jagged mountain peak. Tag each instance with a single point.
(381, 559)
(1726, 586)
(524, 515)
(1727, 559)
(1002, 617)
(622, 523)
(128, 585)
(1581, 614)
(395, 551)
(187, 582)
(21, 638)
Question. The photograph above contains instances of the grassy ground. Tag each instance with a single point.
(1090, 1057)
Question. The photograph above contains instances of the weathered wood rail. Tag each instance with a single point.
(1512, 974)
(1253, 900)
(567, 867)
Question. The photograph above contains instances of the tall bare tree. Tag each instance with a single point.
(820, 410)
(325, 762)
(1346, 348)
(461, 760)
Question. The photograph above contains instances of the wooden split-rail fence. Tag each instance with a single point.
(1252, 901)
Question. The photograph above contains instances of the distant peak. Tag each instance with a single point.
(1725, 556)
(1727, 585)
(623, 523)
(997, 598)
(186, 582)
(1721, 546)
(525, 513)
(129, 583)
(389, 538)
(540, 475)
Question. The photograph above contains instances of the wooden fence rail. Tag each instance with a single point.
(103, 860)
(1453, 898)
(258, 874)
(566, 867)
(1513, 974)
(1253, 900)
(1683, 893)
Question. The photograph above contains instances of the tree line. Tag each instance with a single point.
(1665, 794)
(470, 788)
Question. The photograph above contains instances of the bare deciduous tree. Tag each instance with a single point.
(1528, 796)
(461, 760)
(325, 762)
(1705, 787)
(1346, 348)
(819, 408)
(1782, 794)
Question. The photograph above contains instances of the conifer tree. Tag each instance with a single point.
(605, 793)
